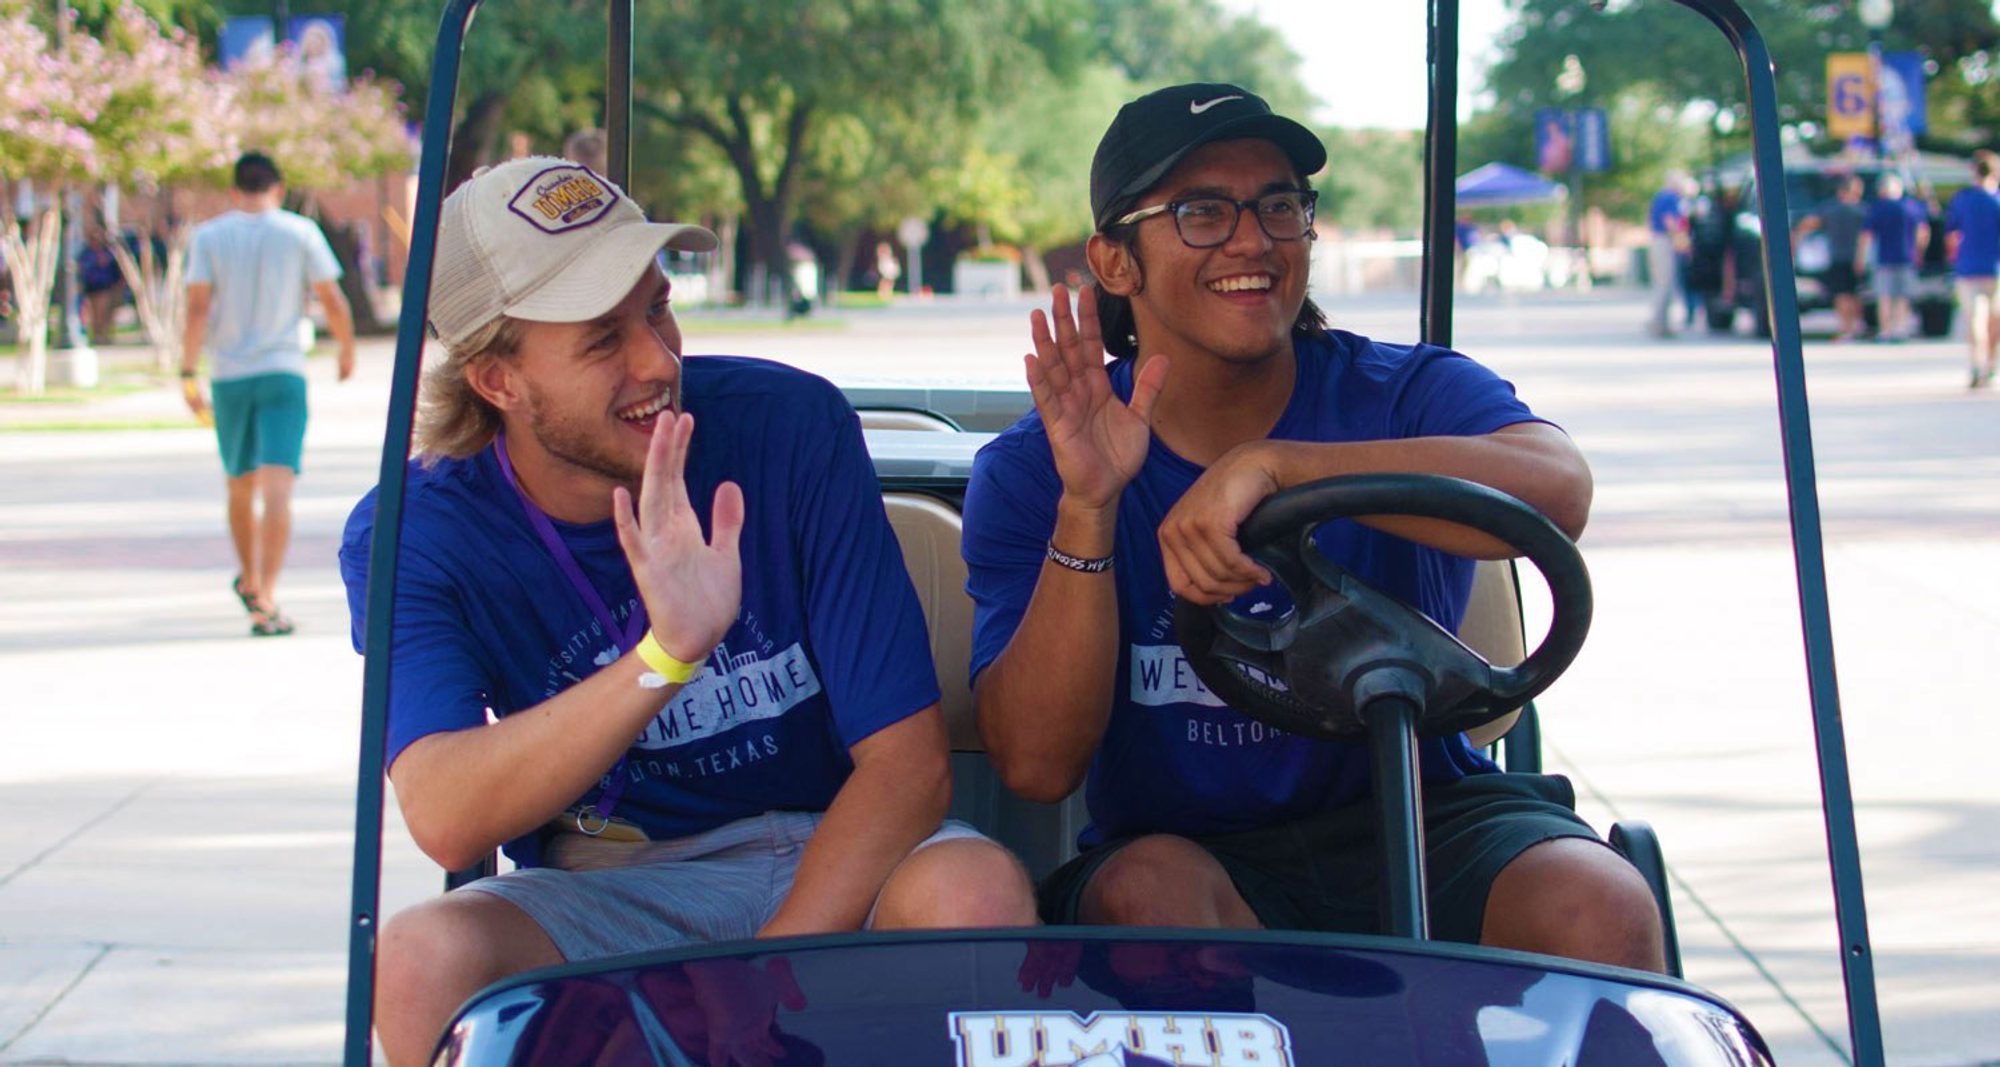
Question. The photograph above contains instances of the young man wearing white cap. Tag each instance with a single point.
(1123, 490)
(715, 711)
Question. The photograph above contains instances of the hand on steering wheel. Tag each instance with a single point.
(1313, 671)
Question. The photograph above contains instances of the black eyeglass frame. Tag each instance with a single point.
(1309, 199)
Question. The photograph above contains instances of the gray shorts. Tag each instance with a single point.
(1895, 280)
(602, 898)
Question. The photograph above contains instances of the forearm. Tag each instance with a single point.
(1533, 462)
(194, 333)
(1044, 702)
(340, 321)
(467, 792)
(884, 809)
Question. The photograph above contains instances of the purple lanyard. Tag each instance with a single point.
(628, 638)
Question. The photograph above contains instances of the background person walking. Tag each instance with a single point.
(1899, 228)
(1666, 218)
(248, 272)
(1972, 243)
(1841, 220)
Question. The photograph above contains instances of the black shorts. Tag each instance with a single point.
(1841, 278)
(1321, 873)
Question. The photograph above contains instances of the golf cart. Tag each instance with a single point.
(1346, 662)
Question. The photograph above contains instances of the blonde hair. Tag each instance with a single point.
(452, 418)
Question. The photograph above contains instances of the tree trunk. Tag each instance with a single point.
(1037, 268)
(159, 290)
(722, 272)
(768, 223)
(469, 142)
(32, 263)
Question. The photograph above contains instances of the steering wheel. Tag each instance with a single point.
(1345, 643)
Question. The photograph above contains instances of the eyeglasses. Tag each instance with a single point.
(1207, 221)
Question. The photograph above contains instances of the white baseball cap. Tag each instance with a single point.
(542, 239)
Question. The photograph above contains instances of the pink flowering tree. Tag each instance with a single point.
(168, 120)
(320, 138)
(49, 98)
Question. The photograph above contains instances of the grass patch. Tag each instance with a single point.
(69, 394)
(101, 425)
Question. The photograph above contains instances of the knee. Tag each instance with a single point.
(1582, 901)
(959, 883)
(1163, 880)
(432, 947)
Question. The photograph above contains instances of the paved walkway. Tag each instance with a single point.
(173, 884)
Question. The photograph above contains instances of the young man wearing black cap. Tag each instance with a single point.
(715, 713)
(1228, 387)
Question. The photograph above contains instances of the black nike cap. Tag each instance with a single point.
(1158, 130)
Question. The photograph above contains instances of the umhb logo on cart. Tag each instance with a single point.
(1119, 1039)
(563, 198)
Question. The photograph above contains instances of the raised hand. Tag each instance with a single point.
(691, 588)
(1099, 441)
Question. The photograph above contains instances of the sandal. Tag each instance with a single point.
(269, 623)
(249, 599)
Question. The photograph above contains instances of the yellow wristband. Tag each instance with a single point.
(662, 662)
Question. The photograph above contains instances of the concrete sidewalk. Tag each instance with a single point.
(174, 886)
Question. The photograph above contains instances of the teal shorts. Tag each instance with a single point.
(260, 421)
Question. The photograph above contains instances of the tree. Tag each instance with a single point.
(1680, 57)
(1164, 42)
(765, 80)
(1029, 182)
(1368, 182)
(50, 94)
(168, 119)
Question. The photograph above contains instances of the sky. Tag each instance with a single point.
(1367, 65)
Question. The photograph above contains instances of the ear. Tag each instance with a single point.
(1113, 265)
(497, 382)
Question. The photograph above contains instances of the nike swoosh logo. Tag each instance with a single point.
(1197, 107)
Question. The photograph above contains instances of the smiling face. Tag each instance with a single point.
(1235, 302)
(580, 399)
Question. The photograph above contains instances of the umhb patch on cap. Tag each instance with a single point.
(561, 199)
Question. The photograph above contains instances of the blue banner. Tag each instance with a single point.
(1593, 140)
(246, 38)
(1555, 141)
(321, 41)
(1902, 94)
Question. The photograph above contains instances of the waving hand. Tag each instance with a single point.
(691, 588)
(1099, 441)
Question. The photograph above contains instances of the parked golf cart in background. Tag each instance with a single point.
(1107, 996)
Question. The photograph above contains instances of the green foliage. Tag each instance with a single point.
(1369, 180)
(1678, 55)
(1163, 42)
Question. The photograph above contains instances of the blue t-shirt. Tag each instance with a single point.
(261, 265)
(1666, 215)
(828, 647)
(1174, 758)
(1975, 214)
(1894, 224)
